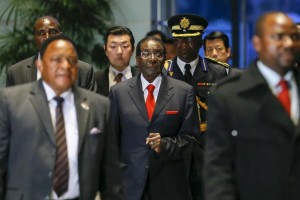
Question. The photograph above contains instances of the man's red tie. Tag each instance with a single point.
(284, 96)
(150, 101)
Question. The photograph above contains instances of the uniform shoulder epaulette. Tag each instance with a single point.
(216, 61)
(168, 65)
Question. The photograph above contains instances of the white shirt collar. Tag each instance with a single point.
(193, 64)
(67, 95)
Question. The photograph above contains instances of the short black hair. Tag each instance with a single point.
(52, 39)
(119, 30)
(216, 35)
(148, 38)
(157, 32)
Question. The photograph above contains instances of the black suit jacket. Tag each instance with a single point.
(101, 78)
(175, 118)
(27, 145)
(25, 71)
(252, 146)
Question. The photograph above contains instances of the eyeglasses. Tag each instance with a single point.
(51, 32)
(147, 55)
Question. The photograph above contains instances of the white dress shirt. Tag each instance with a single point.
(72, 137)
(113, 73)
(156, 83)
(193, 64)
(273, 79)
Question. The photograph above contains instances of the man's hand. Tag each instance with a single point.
(153, 140)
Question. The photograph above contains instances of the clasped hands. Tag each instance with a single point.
(154, 141)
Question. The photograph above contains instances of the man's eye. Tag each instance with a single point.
(57, 60)
(41, 32)
(72, 61)
(277, 36)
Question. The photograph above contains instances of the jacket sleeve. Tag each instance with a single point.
(219, 152)
(182, 144)
(4, 145)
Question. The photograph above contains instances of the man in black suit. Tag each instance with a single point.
(119, 47)
(252, 141)
(54, 142)
(155, 129)
(216, 46)
(26, 71)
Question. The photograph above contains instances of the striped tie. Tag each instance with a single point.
(61, 168)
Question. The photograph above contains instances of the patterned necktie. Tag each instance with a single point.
(284, 96)
(187, 73)
(150, 101)
(118, 78)
(61, 168)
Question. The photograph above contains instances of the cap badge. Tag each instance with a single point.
(184, 23)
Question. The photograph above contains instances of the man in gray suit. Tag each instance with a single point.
(52, 150)
(26, 71)
(155, 130)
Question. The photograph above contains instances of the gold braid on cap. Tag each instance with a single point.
(186, 34)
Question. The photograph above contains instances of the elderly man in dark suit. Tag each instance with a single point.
(155, 120)
(119, 47)
(252, 144)
(53, 139)
(26, 71)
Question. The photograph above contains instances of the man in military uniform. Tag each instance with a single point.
(188, 66)
(201, 73)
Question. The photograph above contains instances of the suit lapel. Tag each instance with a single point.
(164, 95)
(31, 70)
(40, 103)
(82, 110)
(269, 108)
(136, 95)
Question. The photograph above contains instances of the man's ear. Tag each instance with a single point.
(256, 43)
(104, 47)
(39, 64)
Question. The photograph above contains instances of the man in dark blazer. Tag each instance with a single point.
(118, 47)
(252, 141)
(26, 71)
(153, 148)
(29, 145)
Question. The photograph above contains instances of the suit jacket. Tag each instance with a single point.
(252, 146)
(166, 171)
(27, 145)
(25, 71)
(101, 78)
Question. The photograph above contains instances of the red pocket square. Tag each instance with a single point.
(172, 112)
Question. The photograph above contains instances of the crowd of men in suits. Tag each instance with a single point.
(190, 128)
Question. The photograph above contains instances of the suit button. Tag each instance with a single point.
(146, 167)
(50, 174)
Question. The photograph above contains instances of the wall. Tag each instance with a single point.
(134, 14)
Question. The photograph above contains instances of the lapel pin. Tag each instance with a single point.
(85, 106)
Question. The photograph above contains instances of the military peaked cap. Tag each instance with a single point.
(187, 25)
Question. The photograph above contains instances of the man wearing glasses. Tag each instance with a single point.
(154, 118)
(25, 71)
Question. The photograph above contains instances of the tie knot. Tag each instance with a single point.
(59, 100)
(150, 88)
(283, 84)
(118, 77)
(187, 67)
